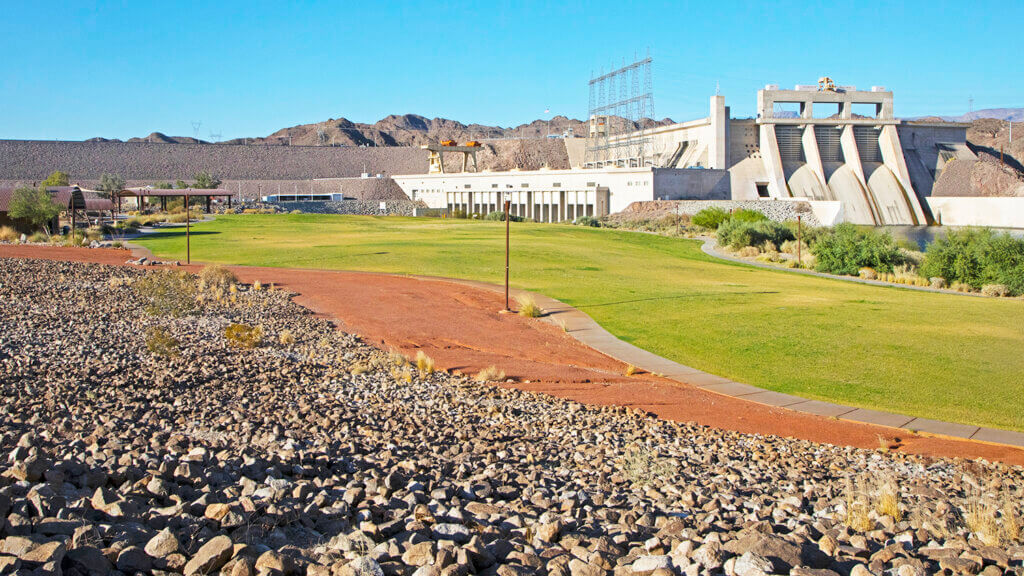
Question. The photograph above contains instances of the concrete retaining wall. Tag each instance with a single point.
(392, 207)
(978, 211)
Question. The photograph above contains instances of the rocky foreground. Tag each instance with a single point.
(312, 453)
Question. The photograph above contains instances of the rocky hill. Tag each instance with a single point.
(402, 130)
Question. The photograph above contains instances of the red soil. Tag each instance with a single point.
(459, 327)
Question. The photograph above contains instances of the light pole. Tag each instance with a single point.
(799, 259)
(508, 201)
(188, 226)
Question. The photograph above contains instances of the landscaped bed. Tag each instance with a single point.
(924, 354)
(155, 422)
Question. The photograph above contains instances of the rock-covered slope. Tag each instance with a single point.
(314, 454)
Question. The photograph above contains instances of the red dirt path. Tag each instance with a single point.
(458, 327)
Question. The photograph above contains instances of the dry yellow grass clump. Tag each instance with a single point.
(528, 306)
(490, 374)
(424, 363)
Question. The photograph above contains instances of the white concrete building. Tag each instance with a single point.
(560, 195)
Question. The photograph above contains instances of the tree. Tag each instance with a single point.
(206, 181)
(181, 184)
(110, 184)
(58, 178)
(33, 205)
(163, 185)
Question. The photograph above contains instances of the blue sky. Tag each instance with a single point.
(73, 70)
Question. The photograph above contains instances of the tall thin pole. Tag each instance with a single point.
(799, 240)
(188, 239)
(507, 202)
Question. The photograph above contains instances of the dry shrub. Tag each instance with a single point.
(257, 286)
(642, 465)
(216, 276)
(286, 338)
(887, 501)
(243, 335)
(490, 374)
(39, 238)
(748, 252)
(630, 370)
(528, 306)
(8, 234)
(980, 518)
(961, 287)
(995, 290)
(160, 342)
(424, 363)
(358, 368)
(867, 273)
(168, 292)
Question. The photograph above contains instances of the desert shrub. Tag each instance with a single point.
(848, 249)
(748, 251)
(641, 465)
(709, 218)
(995, 290)
(168, 292)
(977, 257)
(587, 221)
(809, 235)
(216, 276)
(867, 273)
(672, 221)
(39, 237)
(739, 233)
(160, 342)
(490, 374)
(424, 363)
(92, 234)
(744, 215)
(8, 234)
(499, 215)
(243, 335)
(286, 337)
(961, 287)
(528, 306)
(937, 282)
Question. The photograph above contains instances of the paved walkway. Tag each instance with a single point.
(584, 329)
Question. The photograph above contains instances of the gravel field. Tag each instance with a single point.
(312, 453)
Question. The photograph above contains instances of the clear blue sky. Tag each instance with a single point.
(73, 70)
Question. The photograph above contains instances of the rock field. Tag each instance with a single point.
(313, 453)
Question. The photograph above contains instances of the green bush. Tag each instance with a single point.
(738, 234)
(744, 215)
(977, 257)
(808, 234)
(848, 248)
(710, 218)
(499, 215)
(168, 292)
(587, 221)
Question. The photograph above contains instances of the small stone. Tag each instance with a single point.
(420, 554)
(751, 564)
(162, 545)
(210, 557)
(649, 563)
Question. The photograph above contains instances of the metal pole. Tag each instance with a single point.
(188, 238)
(799, 240)
(507, 202)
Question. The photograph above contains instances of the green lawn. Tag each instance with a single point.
(933, 355)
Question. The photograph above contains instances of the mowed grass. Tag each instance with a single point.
(937, 356)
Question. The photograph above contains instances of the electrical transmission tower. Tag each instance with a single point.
(619, 102)
(195, 128)
(215, 136)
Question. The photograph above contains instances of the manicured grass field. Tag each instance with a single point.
(938, 356)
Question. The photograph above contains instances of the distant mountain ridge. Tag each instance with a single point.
(1011, 114)
(402, 130)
